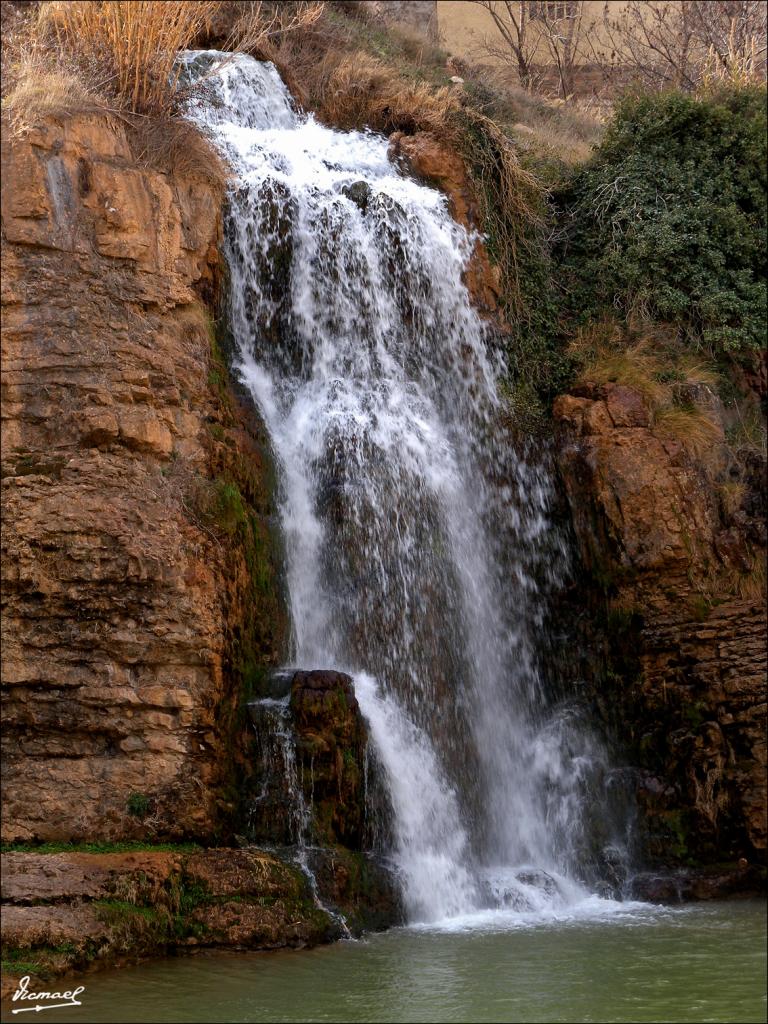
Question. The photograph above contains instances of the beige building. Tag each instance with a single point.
(467, 30)
(576, 47)
(561, 44)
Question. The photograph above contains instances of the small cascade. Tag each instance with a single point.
(280, 813)
(279, 810)
(419, 548)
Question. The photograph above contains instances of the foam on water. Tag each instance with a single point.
(586, 910)
(418, 542)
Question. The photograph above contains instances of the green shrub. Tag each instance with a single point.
(138, 805)
(669, 219)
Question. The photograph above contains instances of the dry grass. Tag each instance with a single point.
(131, 44)
(40, 93)
(607, 356)
(559, 132)
(748, 584)
(176, 147)
(694, 427)
(696, 372)
(637, 368)
(747, 433)
(752, 585)
(354, 91)
(556, 142)
(258, 27)
(116, 59)
(679, 389)
(731, 495)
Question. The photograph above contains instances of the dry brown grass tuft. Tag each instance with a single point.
(694, 427)
(258, 27)
(748, 583)
(679, 389)
(178, 148)
(356, 90)
(606, 357)
(131, 45)
(118, 59)
(560, 133)
(556, 142)
(731, 495)
(637, 368)
(696, 372)
(39, 94)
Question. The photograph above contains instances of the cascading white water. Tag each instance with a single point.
(416, 539)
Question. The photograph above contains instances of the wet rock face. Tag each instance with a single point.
(426, 157)
(331, 739)
(686, 687)
(711, 884)
(121, 618)
(359, 886)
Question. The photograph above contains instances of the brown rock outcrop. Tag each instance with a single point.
(65, 912)
(129, 609)
(330, 744)
(685, 621)
(427, 157)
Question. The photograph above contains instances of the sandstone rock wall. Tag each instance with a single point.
(130, 613)
(683, 683)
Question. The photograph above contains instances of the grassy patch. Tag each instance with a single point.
(138, 805)
(99, 847)
(678, 389)
(112, 911)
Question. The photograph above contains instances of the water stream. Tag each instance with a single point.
(418, 543)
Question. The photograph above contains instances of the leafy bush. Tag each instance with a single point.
(669, 219)
(138, 804)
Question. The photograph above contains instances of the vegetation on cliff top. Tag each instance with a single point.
(668, 221)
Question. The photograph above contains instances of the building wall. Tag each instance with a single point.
(463, 26)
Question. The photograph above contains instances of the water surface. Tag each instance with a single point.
(699, 963)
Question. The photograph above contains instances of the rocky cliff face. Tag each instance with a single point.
(139, 585)
(141, 602)
(682, 683)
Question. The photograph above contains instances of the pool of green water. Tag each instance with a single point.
(704, 962)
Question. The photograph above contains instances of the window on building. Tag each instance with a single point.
(551, 11)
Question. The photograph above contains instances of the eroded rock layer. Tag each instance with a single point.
(685, 690)
(138, 582)
(70, 911)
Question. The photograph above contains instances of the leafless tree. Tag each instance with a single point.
(564, 40)
(676, 43)
(536, 38)
(512, 42)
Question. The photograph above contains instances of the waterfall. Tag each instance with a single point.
(417, 540)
